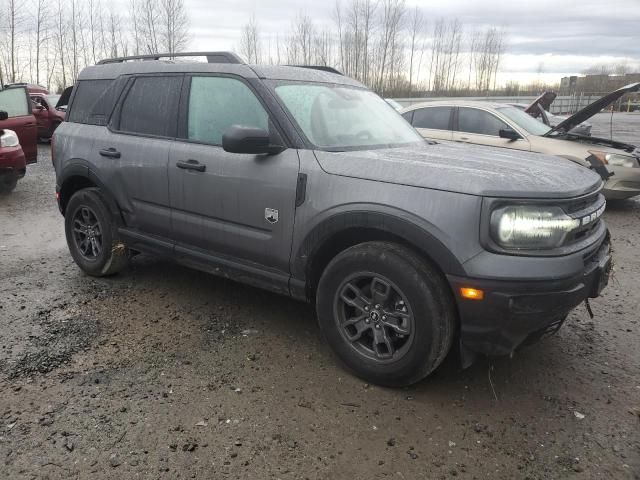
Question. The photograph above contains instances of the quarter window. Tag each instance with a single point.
(472, 120)
(217, 103)
(150, 106)
(432, 117)
(87, 94)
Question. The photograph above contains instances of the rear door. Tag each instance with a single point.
(433, 122)
(481, 127)
(132, 154)
(227, 204)
(16, 102)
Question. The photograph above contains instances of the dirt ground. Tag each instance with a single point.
(163, 372)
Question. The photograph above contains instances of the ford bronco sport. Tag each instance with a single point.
(304, 182)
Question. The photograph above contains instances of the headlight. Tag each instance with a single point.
(614, 159)
(529, 227)
(9, 139)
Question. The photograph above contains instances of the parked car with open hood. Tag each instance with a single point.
(539, 109)
(306, 183)
(500, 125)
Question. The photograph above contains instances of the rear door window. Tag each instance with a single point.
(15, 102)
(217, 103)
(150, 107)
(436, 118)
(473, 120)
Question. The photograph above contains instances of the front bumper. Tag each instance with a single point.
(513, 312)
(12, 162)
(623, 184)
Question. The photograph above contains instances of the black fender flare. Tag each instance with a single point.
(81, 168)
(414, 235)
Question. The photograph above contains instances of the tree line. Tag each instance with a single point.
(48, 42)
(392, 48)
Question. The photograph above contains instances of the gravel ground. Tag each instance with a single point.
(163, 372)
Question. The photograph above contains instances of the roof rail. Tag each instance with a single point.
(212, 57)
(324, 68)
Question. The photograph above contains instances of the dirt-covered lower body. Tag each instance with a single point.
(164, 372)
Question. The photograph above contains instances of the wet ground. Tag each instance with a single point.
(163, 372)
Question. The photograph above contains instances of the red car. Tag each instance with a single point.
(12, 161)
(18, 116)
(48, 112)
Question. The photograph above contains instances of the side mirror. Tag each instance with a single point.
(509, 134)
(239, 139)
(3, 115)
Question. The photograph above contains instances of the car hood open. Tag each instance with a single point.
(593, 108)
(473, 170)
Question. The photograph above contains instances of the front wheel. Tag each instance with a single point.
(386, 313)
(92, 234)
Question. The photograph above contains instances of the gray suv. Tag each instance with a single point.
(302, 181)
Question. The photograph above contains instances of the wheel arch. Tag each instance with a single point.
(78, 176)
(341, 231)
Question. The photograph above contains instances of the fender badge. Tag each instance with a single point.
(271, 215)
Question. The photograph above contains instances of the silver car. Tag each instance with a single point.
(501, 125)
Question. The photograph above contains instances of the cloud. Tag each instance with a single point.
(566, 37)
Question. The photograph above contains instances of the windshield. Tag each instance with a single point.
(524, 120)
(340, 118)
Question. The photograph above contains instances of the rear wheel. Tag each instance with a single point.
(92, 235)
(387, 313)
(7, 184)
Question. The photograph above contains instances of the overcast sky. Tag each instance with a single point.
(559, 37)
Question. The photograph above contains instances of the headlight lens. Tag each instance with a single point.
(614, 159)
(528, 227)
(8, 138)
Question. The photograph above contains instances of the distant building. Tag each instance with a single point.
(599, 83)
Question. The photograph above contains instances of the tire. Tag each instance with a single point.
(92, 235)
(413, 312)
(7, 185)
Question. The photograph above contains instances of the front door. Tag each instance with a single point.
(481, 127)
(16, 102)
(225, 204)
(433, 122)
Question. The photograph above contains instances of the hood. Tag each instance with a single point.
(473, 170)
(593, 108)
(544, 101)
(63, 101)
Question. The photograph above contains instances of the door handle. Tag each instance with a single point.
(191, 165)
(110, 153)
(464, 139)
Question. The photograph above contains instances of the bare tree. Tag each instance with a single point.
(417, 27)
(250, 41)
(392, 15)
(15, 21)
(61, 38)
(41, 27)
(175, 25)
